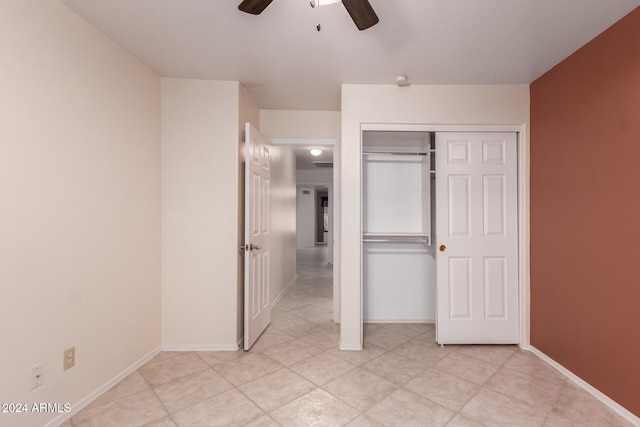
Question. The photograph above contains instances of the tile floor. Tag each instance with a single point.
(296, 376)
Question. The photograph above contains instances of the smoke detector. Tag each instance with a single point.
(402, 81)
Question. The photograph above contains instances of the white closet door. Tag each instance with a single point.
(476, 238)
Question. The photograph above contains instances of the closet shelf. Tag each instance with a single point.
(396, 238)
(387, 234)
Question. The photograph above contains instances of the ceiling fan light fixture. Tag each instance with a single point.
(315, 3)
(315, 152)
(360, 11)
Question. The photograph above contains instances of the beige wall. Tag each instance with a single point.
(283, 220)
(318, 176)
(79, 206)
(200, 133)
(433, 105)
(300, 124)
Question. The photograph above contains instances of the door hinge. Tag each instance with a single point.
(250, 247)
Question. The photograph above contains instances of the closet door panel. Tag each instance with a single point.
(460, 288)
(476, 221)
(459, 205)
(494, 205)
(495, 288)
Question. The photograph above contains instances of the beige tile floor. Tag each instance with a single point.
(296, 376)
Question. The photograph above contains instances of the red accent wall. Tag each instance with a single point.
(585, 212)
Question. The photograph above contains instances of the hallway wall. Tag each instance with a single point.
(283, 219)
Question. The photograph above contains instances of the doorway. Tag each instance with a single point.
(317, 176)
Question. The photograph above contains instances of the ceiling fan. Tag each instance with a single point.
(360, 11)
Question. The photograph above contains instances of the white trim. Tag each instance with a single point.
(421, 320)
(335, 227)
(304, 142)
(197, 347)
(350, 347)
(438, 128)
(524, 236)
(101, 390)
(619, 409)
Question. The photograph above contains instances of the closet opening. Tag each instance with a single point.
(399, 276)
(445, 250)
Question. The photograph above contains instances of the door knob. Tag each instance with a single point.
(443, 248)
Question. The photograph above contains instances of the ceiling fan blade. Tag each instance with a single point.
(254, 7)
(362, 13)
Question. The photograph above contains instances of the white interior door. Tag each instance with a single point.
(476, 238)
(257, 232)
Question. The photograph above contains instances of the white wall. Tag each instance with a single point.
(283, 219)
(305, 217)
(310, 176)
(79, 206)
(417, 104)
(200, 134)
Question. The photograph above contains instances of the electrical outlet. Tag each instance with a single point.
(69, 357)
(36, 377)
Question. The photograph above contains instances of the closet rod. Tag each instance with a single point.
(393, 153)
(395, 240)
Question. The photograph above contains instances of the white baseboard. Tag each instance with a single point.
(200, 347)
(619, 409)
(275, 301)
(350, 347)
(100, 391)
(240, 341)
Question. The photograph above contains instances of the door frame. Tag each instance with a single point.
(523, 204)
(334, 197)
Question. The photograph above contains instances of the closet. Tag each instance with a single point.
(466, 279)
(399, 279)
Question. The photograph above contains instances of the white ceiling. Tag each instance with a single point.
(286, 64)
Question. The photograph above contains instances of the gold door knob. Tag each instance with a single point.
(443, 248)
